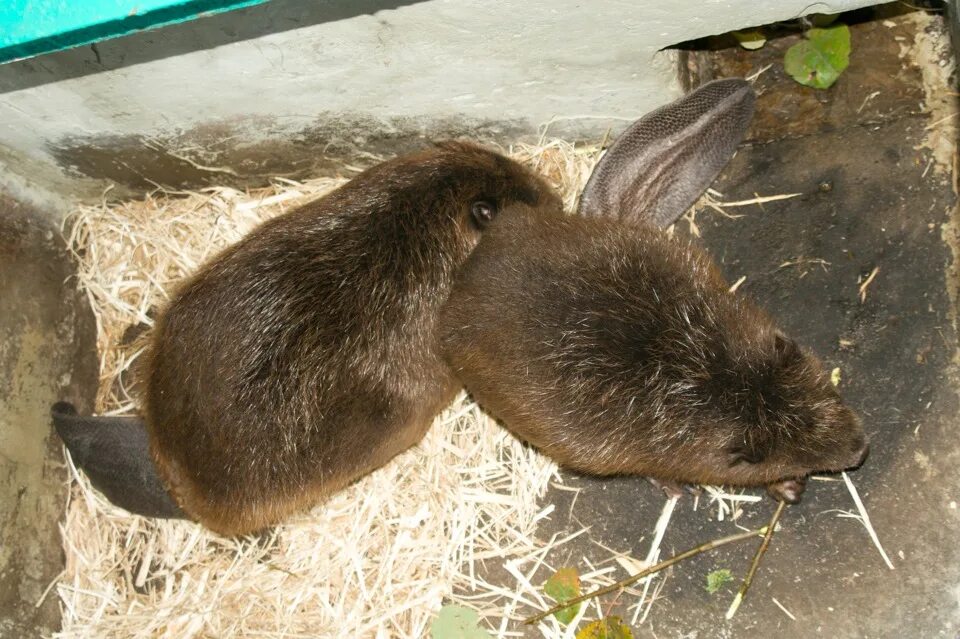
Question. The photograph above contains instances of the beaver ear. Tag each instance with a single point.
(662, 163)
(787, 349)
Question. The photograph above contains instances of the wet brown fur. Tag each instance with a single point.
(305, 355)
(616, 349)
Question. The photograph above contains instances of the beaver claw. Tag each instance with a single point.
(674, 490)
(788, 490)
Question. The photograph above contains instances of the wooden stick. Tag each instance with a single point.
(710, 545)
(745, 586)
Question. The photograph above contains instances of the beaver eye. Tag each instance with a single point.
(482, 213)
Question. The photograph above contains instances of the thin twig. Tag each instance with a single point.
(157, 146)
(603, 143)
(803, 261)
(49, 587)
(865, 519)
(867, 99)
(745, 586)
(666, 563)
(756, 74)
(760, 199)
(783, 608)
(940, 121)
(866, 283)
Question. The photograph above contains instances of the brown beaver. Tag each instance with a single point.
(616, 349)
(305, 355)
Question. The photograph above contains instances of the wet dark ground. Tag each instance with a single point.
(869, 200)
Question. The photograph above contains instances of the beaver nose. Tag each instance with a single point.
(862, 456)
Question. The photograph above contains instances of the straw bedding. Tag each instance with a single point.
(377, 559)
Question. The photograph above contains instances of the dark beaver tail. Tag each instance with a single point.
(114, 452)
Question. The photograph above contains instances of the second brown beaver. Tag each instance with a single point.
(616, 349)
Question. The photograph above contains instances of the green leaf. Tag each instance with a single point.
(609, 628)
(456, 622)
(820, 59)
(563, 586)
(718, 579)
(750, 40)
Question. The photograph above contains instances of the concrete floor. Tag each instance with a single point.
(47, 340)
(869, 200)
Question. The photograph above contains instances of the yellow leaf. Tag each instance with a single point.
(609, 628)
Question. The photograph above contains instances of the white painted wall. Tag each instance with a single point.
(591, 63)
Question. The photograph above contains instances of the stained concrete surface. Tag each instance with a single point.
(272, 89)
(870, 199)
(47, 341)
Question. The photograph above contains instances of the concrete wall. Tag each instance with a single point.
(47, 353)
(289, 86)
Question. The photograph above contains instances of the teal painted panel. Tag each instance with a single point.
(32, 27)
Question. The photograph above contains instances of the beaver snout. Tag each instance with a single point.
(861, 455)
(859, 449)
